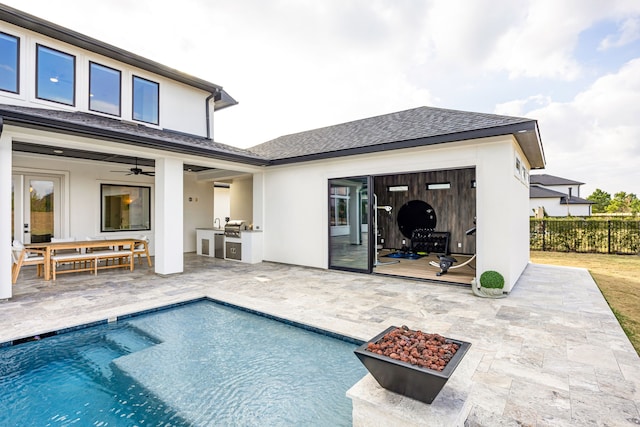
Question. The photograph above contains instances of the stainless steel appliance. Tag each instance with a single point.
(234, 227)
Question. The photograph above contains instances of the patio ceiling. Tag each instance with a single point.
(73, 153)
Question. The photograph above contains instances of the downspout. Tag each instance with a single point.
(206, 106)
(1, 125)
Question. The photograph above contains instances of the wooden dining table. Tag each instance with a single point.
(49, 248)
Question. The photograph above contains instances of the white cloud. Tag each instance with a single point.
(628, 33)
(594, 137)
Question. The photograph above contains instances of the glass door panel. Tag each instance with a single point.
(349, 245)
(41, 209)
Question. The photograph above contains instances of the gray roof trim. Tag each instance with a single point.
(537, 192)
(516, 129)
(41, 26)
(142, 136)
(551, 180)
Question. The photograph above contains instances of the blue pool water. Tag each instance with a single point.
(200, 364)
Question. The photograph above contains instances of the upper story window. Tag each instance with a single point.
(145, 100)
(104, 89)
(9, 62)
(56, 75)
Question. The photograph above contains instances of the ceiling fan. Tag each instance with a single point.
(137, 171)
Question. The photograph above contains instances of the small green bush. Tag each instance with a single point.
(492, 279)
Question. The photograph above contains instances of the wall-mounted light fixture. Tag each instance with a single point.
(439, 186)
(398, 188)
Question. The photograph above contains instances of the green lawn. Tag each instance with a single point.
(617, 276)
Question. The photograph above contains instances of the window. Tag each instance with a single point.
(125, 207)
(9, 62)
(56, 76)
(339, 202)
(104, 89)
(145, 100)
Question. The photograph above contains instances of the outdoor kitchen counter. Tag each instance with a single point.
(250, 242)
(206, 241)
(212, 242)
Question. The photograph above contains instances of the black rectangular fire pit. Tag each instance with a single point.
(413, 381)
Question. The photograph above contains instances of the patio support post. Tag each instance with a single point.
(169, 213)
(5, 216)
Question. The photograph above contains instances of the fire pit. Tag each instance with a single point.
(416, 364)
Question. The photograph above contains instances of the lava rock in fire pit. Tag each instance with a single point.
(430, 351)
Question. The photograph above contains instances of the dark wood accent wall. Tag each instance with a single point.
(455, 207)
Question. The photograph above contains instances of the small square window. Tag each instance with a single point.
(145, 100)
(56, 76)
(104, 89)
(9, 62)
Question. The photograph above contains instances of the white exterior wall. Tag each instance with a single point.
(5, 217)
(553, 207)
(198, 209)
(241, 198)
(296, 201)
(182, 108)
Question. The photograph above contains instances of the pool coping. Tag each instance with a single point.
(130, 315)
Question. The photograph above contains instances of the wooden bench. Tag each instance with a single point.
(87, 255)
(93, 258)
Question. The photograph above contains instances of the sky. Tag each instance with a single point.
(296, 65)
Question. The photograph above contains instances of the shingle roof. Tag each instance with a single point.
(415, 127)
(537, 192)
(544, 179)
(130, 133)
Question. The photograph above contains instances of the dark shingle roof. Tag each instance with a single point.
(403, 129)
(537, 192)
(544, 179)
(131, 133)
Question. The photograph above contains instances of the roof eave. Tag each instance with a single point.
(529, 140)
(48, 124)
(526, 134)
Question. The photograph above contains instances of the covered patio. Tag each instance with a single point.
(552, 353)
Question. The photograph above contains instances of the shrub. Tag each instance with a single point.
(492, 279)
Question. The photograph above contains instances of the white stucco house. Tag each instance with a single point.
(556, 196)
(90, 132)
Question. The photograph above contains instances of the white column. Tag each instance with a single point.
(169, 216)
(5, 216)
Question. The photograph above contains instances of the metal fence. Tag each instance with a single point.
(599, 236)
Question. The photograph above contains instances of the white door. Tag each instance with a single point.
(37, 214)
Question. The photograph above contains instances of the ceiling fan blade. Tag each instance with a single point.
(148, 173)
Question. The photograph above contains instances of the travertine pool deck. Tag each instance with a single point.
(550, 354)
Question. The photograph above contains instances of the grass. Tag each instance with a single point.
(617, 276)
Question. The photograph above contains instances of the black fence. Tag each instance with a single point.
(598, 236)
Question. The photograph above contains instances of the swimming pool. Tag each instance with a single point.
(198, 364)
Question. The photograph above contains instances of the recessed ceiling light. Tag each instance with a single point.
(58, 151)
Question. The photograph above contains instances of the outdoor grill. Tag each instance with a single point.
(234, 227)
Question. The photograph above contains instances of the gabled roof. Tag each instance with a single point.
(550, 180)
(404, 129)
(41, 26)
(85, 124)
(537, 192)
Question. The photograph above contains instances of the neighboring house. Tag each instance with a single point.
(97, 141)
(555, 196)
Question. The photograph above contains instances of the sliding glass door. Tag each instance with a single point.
(349, 230)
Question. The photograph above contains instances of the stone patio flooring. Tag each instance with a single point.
(551, 353)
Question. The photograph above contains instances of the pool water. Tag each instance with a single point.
(200, 364)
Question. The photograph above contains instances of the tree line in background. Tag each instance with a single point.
(620, 203)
